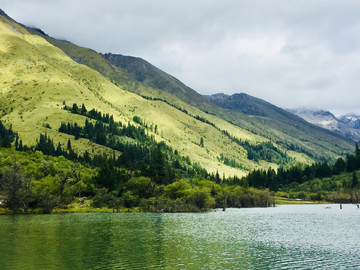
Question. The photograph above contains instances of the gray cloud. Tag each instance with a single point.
(290, 53)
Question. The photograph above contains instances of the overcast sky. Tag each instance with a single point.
(290, 53)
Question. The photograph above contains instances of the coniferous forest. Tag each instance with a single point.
(145, 175)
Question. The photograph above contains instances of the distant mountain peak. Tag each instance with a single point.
(217, 96)
(242, 102)
(351, 119)
(346, 125)
(313, 112)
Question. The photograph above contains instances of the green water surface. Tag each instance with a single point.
(284, 237)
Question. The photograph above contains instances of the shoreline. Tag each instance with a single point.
(88, 209)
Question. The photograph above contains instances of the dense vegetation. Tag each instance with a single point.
(149, 176)
(49, 174)
(44, 177)
(319, 181)
(140, 151)
(6, 136)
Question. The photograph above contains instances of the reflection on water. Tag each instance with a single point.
(285, 237)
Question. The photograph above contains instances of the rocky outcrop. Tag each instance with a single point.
(352, 120)
(327, 120)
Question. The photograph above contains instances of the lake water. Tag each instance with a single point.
(284, 237)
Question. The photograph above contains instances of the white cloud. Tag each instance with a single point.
(290, 53)
(266, 46)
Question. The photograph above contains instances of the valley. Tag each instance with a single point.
(143, 139)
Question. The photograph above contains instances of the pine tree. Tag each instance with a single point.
(69, 144)
(202, 142)
(354, 181)
(83, 109)
(74, 108)
(20, 148)
(158, 165)
(357, 151)
(17, 143)
(58, 151)
(217, 177)
(87, 157)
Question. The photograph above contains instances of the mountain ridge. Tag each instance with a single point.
(327, 120)
(180, 124)
(236, 117)
(146, 73)
(351, 119)
(49, 79)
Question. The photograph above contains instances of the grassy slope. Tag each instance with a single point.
(265, 113)
(150, 75)
(37, 77)
(275, 123)
(277, 126)
(120, 77)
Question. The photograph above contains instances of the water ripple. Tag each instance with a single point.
(285, 237)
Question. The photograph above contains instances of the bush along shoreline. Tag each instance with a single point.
(46, 178)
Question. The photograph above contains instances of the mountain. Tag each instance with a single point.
(254, 115)
(141, 71)
(248, 105)
(39, 75)
(276, 118)
(352, 120)
(38, 79)
(327, 120)
(146, 73)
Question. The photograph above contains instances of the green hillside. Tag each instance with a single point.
(37, 79)
(150, 75)
(72, 124)
(270, 115)
(250, 113)
(135, 74)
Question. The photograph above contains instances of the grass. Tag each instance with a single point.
(37, 78)
(281, 200)
(49, 78)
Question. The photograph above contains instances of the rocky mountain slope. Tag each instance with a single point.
(352, 120)
(345, 125)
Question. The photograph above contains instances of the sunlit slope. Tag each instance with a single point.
(120, 77)
(117, 75)
(255, 115)
(38, 78)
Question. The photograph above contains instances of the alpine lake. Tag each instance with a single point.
(282, 237)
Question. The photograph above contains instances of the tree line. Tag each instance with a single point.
(320, 179)
(162, 181)
(264, 151)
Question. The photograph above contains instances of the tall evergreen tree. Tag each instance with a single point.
(75, 108)
(357, 151)
(69, 144)
(83, 109)
(354, 181)
(202, 142)
(339, 166)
